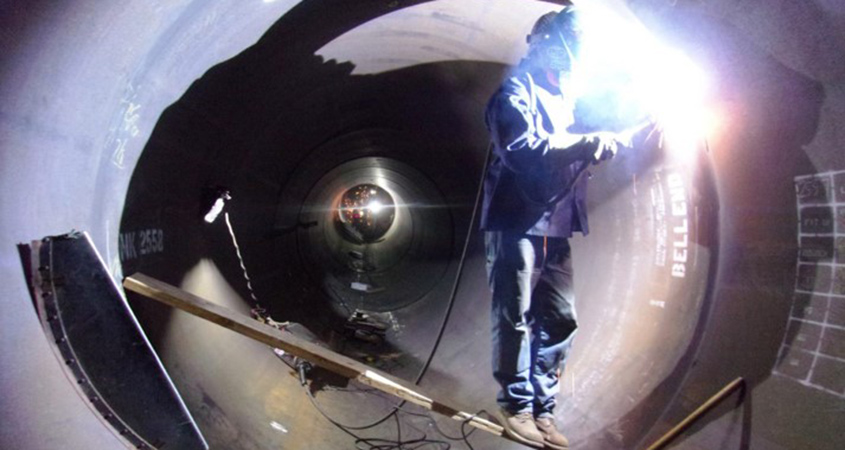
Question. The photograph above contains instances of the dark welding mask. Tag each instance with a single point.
(555, 39)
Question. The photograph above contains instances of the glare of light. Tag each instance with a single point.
(278, 426)
(215, 210)
(649, 76)
(375, 206)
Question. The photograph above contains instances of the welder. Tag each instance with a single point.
(534, 200)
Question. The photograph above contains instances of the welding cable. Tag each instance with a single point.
(372, 443)
(433, 423)
(302, 367)
(464, 437)
(399, 444)
(302, 374)
(456, 284)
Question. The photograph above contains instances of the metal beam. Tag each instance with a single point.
(342, 365)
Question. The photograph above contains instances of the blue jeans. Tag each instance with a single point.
(532, 328)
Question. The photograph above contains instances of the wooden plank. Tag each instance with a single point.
(711, 403)
(342, 365)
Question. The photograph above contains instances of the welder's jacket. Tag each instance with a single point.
(530, 187)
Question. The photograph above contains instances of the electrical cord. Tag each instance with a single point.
(302, 367)
(258, 311)
(464, 435)
(241, 260)
(458, 276)
(371, 443)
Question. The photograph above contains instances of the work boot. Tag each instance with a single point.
(551, 437)
(521, 428)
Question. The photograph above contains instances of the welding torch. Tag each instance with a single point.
(608, 142)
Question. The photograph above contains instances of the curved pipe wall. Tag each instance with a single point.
(104, 128)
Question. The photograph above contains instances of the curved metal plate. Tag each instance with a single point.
(104, 349)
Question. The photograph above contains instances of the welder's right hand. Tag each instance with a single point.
(605, 144)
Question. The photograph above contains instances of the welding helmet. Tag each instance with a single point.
(555, 39)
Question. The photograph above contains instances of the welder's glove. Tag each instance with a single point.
(606, 146)
(625, 139)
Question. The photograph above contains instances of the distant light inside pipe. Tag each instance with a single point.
(375, 206)
(365, 213)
